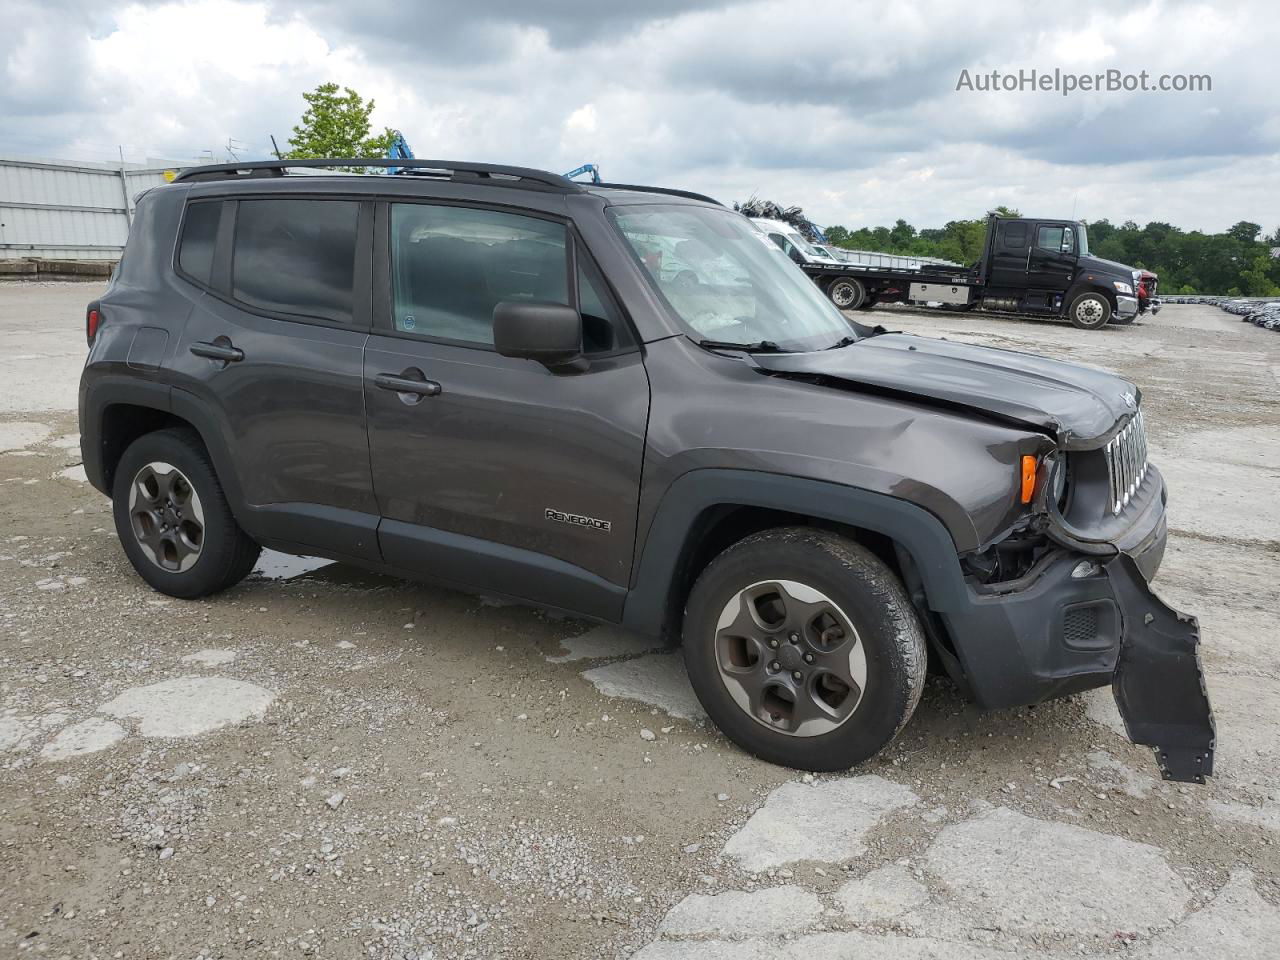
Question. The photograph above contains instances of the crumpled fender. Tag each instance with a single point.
(1159, 681)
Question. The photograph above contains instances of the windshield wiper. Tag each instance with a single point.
(843, 342)
(759, 346)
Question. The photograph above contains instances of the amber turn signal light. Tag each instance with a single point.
(1028, 478)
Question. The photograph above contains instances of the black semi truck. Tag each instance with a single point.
(1029, 266)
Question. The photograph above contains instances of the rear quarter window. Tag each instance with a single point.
(199, 237)
(296, 257)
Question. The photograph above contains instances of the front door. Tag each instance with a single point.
(1053, 257)
(274, 352)
(495, 473)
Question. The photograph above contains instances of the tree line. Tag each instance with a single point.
(1237, 262)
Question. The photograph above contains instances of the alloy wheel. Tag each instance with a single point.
(166, 517)
(790, 658)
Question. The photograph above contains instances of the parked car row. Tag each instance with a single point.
(1259, 311)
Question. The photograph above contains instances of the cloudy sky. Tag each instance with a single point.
(848, 108)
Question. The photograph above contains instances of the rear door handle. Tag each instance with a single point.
(220, 349)
(400, 383)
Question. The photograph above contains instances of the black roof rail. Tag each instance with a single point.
(669, 191)
(444, 169)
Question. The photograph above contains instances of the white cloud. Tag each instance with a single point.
(848, 109)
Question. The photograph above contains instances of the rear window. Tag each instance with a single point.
(1015, 235)
(199, 236)
(296, 257)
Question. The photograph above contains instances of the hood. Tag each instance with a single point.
(1080, 406)
(1090, 262)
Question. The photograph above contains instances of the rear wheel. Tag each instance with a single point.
(173, 519)
(804, 649)
(1089, 311)
(847, 293)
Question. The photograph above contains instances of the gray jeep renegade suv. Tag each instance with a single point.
(626, 403)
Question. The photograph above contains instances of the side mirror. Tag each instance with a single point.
(795, 254)
(550, 333)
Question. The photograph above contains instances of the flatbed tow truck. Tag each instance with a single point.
(1029, 266)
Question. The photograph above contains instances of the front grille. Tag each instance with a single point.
(1127, 462)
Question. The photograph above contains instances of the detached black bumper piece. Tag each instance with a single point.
(1158, 681)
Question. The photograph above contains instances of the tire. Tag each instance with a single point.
(823, 583)
(847, 293)
(1090, 311)
(165, 491)
(867, 303)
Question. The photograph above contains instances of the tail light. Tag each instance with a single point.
(92, 321)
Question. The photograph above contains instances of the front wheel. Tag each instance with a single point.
(1089, 311)
(803, 648)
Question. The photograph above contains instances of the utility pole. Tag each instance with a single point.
(124, 188)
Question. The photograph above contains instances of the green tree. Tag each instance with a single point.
(336, 124)
(1244, 231)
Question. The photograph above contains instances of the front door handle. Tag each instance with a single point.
(406, 383)
(220, 349)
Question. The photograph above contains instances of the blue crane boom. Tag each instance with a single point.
(398, 150)
(590, 168)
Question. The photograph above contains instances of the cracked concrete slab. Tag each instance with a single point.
(1237, 923)
(736, 913)
(881, 895)
(604, 643)
(189, 706)
(852, 945)
(826, 821)
(658, 679)
(87, 736)
(20, 434)
(1033, 877)
(1120, 775)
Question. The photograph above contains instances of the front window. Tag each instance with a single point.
(728, 281)
(1082, 240)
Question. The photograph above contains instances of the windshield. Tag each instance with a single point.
(824, 252)
(728, 281)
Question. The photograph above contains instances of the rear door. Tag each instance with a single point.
(1009, 256)
(499, 474)
(273, 354)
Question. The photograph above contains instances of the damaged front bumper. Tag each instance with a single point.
(1159, 681)
(1084, 616)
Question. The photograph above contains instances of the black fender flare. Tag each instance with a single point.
(108, 390)
(103, 391)
(914, 529)
(189, 408)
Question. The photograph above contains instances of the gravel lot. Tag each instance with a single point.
(326, 763)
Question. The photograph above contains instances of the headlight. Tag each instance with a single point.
(1122, 287)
